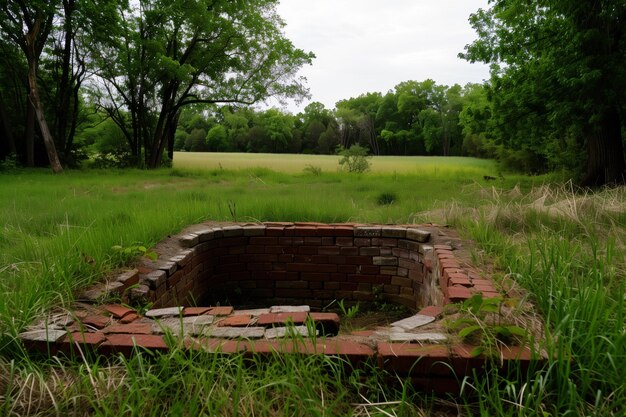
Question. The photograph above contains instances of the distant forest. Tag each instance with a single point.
(128, 83)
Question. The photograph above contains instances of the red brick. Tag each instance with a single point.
(349, 251)
(277, 231)
(98, 322)
(312, 241)
(359, 260)
(195, 311)
(281, 318)
(344, 241)
(263, 241)
(349, 286)
(304, 231)
(369, 269)
(133, 328)
(117, 310)
(129, 318)
(362, 241)
(307, 250)
(293, 293)
(124, 343)
(324, 230)
(315, 276)
(329, 250)
(368, 251)
(458, 293)
(484, 288)
(414, 359)
(465, 282)
(233, 241)
(487, 294)
(91, 339)
(363, 333)
(343, 231)
(292, 284)
(445, 247)
(243, 320)
(302, 267)
(432, 311)
(220, 311)
(282, 275)
(446, 263)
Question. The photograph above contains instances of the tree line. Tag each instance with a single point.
(132, 81)
(139, 63)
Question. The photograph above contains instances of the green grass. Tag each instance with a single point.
(565, 248)
(436, 166)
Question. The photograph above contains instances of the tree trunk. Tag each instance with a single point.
(6, 126)
(32, 51)
(29, 135)
(605, 153)
(53, 157)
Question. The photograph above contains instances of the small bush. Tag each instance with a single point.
(354, 159)
(313, 169)
(386, 199)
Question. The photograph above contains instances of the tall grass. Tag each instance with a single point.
(565, 247)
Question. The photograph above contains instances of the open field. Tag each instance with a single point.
(414, 165)
(565, 248)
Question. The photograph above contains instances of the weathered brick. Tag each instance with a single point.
(242, 320)
(256, 230)
(133, 328)
(292, 284)
(417, 235)
(369, 251)
(367, 231)
(397, 232)
(270, 319)
(125, 343)
(402, 282)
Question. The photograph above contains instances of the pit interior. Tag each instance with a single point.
(253, 265)
(201, 289)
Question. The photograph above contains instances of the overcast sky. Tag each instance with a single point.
(371, 45)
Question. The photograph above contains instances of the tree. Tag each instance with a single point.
(28, 25)
(172, 54)
(559, 64)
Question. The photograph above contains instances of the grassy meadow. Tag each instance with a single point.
(564, 246)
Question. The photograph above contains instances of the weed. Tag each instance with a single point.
(348, 312)
(387, 198)
(313, 169)
(480, 322)
(135, 250)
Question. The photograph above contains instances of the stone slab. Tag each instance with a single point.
(164, 312)
(187, 326)
(289, 309)
(235, 332)
(43, 335)
(253, 312)
(413, 322)
(280, 332)
(417, 337)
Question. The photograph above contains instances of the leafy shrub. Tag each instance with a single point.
(354, 159)
(386, 199)
(313, 169)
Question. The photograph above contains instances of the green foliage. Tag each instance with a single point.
(348, 312)
(134, 250)
(557, 83)
(386, 198)
(313, 169)
(480, 323)
(354, 159)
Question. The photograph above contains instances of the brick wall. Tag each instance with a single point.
(298, 263)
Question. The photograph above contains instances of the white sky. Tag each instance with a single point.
(371, 45)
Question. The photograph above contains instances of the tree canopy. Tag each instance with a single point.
(558, 79)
